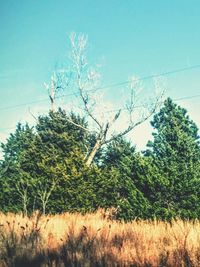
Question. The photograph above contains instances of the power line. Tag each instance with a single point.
(187, 97)
(152, 76)
(115, 110)
(175, 99)
(106, 86)
(24, 104)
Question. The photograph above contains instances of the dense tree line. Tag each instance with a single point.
(44, 167)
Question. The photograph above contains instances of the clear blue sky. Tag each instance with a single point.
(129, 37)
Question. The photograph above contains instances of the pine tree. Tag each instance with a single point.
(119, 183)
(45, 168)
(15, 183)
(56, 160)
(174, 157)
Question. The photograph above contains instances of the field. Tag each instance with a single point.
(94, 240)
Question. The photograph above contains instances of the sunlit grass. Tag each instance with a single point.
(93, 240)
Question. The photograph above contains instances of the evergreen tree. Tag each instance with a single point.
(174, 164)
(45, 169)
(56, 160)
(119, 185)
(14, 182)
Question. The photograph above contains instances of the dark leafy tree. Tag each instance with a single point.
(57, 162)
(44, 169)
(15, 183)
(174, 163)
(117, 167)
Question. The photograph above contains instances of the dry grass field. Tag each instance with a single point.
(94, 240)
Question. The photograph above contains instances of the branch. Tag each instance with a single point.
(133, 125)
(78, 125)
(87, 152)
(29, 110)
(78, 45)
(116, 117)
(85, 101)
(129, 129)
(44, 194)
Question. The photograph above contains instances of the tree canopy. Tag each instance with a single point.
(44, 168)
(175, 156)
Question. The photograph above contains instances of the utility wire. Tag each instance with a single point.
(115, 110)
(151, 76)
(107, 86)
(140, 106)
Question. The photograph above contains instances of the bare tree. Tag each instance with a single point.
(44, 192)
(22, 188)
(59, 82)
(85, 83)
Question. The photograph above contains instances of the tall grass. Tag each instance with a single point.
(93, 240)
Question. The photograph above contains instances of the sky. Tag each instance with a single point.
(131, 37)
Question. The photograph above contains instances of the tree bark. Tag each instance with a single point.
(93, 152)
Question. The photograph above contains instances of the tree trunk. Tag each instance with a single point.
(93, 152)
(44, 208)
(25, 202)
(52, 94)
(52, 104)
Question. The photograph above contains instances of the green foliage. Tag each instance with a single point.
(51, 159)
(174, 159)
(44, 168)
(12, 174)
(126, 197)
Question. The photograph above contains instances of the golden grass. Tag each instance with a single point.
(93, 240)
